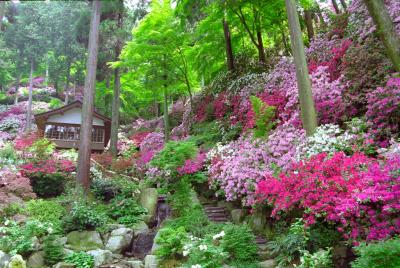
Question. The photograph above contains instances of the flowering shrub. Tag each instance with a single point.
(192, 166)
(383, 110)
(23, 142)
(355, 192)
(104, 159)
(138, 137)
(150, 145)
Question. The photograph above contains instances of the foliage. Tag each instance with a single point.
(108, 188)
(46, 211)
(55, 103)
(263, 115)
(47, 185)
(126, 210)
(171, 242)
(80, 259)
(83, 216)
(320, 259)
(20, 239)
(380, 254)
(53, 250)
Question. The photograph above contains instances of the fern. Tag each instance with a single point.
(263, 117)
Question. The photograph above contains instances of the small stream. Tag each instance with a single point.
(142, 243)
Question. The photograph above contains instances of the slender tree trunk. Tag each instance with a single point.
(260, 47)
(386, 30)
(344, 5)
(320, 16)
(309, 24)
(66, 88)
(335, 6)
(2, 12)
(29, 109)
(83, 172)
(17, 88)
(307, 107)
(166, 117)
(228, 46)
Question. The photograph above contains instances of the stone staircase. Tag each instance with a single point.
(216, 214)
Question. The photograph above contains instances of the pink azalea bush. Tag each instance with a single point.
(192, 166)
(357, 193)
(49, 166)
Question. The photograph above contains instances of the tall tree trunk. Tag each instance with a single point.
(83, 172)
(320, 16)
(307, 107)
(2, 12)
(344, 5)
(386, 30)
(116, 95)
(29, 109)
(66, 88)
(335, 6)
(228, 46)
(17, 88)
(260, 47)
(309, 24)
(166, 117)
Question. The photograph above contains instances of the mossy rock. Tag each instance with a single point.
(84, 241)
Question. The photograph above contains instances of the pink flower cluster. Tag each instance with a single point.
(355, 192)
(23, 142)
(47, 167)
(150, 145)
(192, 166)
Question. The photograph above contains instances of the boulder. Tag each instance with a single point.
(119, 240)
(134, 263)
(67, 251)
(148, 199)
(100, 256)
(84, 241)
(238, 215)
(36, 260)
(61, 241)
(64, 265)
(155, 246)
(4, 258)
(140, 227)
(150, 261)
(17, 261)
(267, 264)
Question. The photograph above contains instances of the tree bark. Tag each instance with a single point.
(335, 6)
(2, 12)
(116, 96)
(344, 5)
(166, 117)
(228, 46)
(83, 172)
(66, 88)
(17, 88)
(29, 109)
(309, 24)
(386, 30)
(307, 107)
(260, 47)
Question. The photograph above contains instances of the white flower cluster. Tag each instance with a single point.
(218, 236)
(196, 266)
(327, 138)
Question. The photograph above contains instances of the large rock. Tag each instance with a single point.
(17, 261)
(155, 246)
(100, 256)
(36, 260)
(238, 215)
(267, 264)
(148, 199)
(119, 240)
(150, 261)
(84, 241)
(4, 258)
(133, 263)
(64, 265)
(140, 227)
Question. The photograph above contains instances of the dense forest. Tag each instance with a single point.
(200, 133)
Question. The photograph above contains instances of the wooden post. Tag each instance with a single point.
(83, 172)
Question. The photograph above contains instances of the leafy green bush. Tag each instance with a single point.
(42, 148)
(239, 242)
(323, 236)
(46, 211)
(106, 189)
(8, 155)
(376, 255)
(263, 115)
(83, 216)
(80, 259)
(126, 210)
(174, 155)
(171, 242)
(47, 185)
(55, 103)
(53, 250)
(20, 239)
(320, 259)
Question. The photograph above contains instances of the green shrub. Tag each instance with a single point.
(53, 250)
(55, 103)
(126, 210)
(80, 259)
(46, 211)
(11, 210)
(205, 252)
(323, 236)
(42, 148)
(263, 115)
(171, 242)
(84, 216)
(8, 155)
(20, 239)
(106, 189)
(320, 259)
(239, 242)
(47, 185)
(376, 255)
